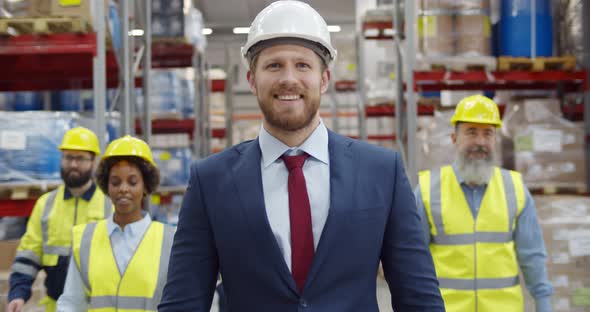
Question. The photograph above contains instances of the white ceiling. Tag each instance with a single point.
(223, 15)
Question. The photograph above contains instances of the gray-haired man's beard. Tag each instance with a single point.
(475, 171)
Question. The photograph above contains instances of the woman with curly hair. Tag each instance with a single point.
(120, 263)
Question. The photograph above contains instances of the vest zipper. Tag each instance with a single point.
(76, 212)
(475, 262)
(117, 297)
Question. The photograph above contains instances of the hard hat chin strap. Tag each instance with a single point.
(316, 47)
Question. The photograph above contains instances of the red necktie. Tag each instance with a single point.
(300, 218)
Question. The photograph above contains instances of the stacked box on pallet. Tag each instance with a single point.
(547, 149)
(29, 144)
(454, 35)
(173, 157)
(565, 222)
(171, 96)
(82, 8)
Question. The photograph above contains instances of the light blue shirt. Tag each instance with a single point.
(124, 244)
(530, 248)
(316, 170)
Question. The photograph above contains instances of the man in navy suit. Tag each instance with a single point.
(299, 218)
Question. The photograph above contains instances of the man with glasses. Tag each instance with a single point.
(46, 244)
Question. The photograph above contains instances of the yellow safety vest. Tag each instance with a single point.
(49, 230)
(140, 286)
(475, 260)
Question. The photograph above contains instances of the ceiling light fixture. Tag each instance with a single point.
(241, 30)
(136, 32)
(334, 28)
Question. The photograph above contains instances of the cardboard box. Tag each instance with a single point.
(547, 149)
(551, 155)
(473, 35)
(7, 253)
(80, 8)
(565, 222)
(435, 35)
(68, 8)
(454, 4)
(39, 8)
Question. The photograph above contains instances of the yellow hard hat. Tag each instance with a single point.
(477, 109)
(80, 139)
(129, 146)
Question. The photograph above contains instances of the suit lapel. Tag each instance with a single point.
(343, 169)
(248, 179)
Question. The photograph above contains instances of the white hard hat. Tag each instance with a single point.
(289, 19)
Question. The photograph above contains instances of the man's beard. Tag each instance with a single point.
(75, 181)
(284, 121)
(475, 171)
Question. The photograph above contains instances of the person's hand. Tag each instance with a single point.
(16, 305)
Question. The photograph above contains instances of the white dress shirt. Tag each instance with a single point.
(123, 242)
(274, 183)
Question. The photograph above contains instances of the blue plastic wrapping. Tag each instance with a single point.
(171, 95)
(174, 164)
(29, 144)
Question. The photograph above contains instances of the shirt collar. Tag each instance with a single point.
(86, 196)
(134, 228)
(316, 145)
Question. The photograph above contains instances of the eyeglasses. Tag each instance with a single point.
(75, 159)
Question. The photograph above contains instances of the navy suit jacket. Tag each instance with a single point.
(223, 228)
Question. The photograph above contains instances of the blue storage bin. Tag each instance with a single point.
(27, 101)
(515, 33)
(66, 100)
(87, 99)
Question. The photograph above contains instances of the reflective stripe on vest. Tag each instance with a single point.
(125, 302)
(49, 204)
(480, 283)
(29, 255)
(24, 268)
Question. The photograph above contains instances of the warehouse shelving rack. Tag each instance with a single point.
(77, 61)
(565, 81)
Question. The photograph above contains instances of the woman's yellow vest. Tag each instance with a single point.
(140, 287)
(475, 260)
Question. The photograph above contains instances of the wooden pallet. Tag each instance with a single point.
(564, 188)
(456, 63)
(22, 190)
(506, 63)
(43, 25)
(554, 63)
(169, 40)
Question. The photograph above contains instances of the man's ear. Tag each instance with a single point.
(251, 82)
(325, 81)
(454, 137)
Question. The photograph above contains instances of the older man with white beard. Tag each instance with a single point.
(481, 222)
